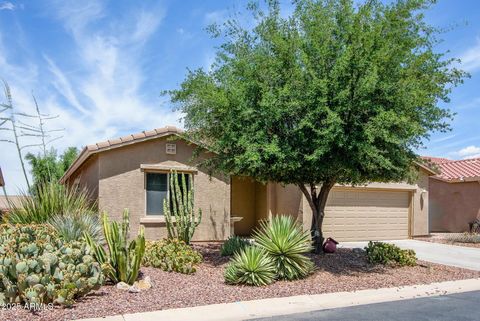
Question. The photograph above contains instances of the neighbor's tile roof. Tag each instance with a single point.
(457, 170)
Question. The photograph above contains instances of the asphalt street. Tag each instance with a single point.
(455, 307)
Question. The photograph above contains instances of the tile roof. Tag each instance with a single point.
(457, 170)
(118, 142)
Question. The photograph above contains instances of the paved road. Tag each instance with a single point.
(454, 307)
(459, 256)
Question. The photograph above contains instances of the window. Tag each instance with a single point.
(158, 189)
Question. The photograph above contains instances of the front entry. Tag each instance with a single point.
(248, 204)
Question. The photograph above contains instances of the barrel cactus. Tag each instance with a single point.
(38, 267)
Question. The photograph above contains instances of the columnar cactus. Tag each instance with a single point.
(178, 209)
(38, 267)
(122, 263)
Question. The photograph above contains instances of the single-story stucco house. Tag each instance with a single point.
(454, 194)
(133, 171)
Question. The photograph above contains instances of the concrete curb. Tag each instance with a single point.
(298, 304)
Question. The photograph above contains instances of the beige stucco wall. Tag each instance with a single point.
(453, 205)
(420, 205)
(122, 185)
(243, 204)
(87, 177)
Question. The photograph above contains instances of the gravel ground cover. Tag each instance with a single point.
(442, 238)
(346, 270)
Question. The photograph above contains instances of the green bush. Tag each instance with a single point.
(38, 267)
(71, 227)
(389, 254)
(285, 241)
(233, 244)
(122, 262)
(49, 200)
(171, 255)
(250, 266)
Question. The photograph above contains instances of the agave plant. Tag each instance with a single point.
(286, 242)
(122, 262)
(250, 266)
(72, 226)
(49, 199)
(232, 245)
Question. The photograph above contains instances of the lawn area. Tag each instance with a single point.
(345, 270)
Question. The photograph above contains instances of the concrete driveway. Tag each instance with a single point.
(459, 256)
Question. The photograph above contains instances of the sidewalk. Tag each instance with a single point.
(297, 304)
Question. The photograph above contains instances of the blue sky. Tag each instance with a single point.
(100, 65)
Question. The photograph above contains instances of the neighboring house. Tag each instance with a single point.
(454, 194)
(133, 172)
(4, 203)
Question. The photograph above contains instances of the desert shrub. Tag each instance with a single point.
(71, 227)
(389, 254)
(463, 237)
(285, 241)
(122, 262)
(250, 266)
(50, 199)
(38, 267)
(172, 255)
(233, 244)
(474, 226)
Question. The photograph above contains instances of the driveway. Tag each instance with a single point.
(458, 307)
(459, 256)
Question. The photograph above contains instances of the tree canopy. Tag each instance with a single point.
(334, 93)
(49, 167)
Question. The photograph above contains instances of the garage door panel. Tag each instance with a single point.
(353, 215)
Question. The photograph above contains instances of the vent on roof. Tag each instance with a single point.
(171, 149)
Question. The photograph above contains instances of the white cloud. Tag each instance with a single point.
(218, 17)
(471, 151)
(102, 97)
(470, 59)
(5, 5)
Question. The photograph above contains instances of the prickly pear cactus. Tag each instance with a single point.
(37, 267)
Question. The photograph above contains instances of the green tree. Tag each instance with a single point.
(335, 93)
(48, 167)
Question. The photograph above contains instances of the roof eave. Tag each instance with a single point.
(90, 151)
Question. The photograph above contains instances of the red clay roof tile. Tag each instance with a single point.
(457, 170)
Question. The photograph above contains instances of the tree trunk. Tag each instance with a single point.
(317, 202)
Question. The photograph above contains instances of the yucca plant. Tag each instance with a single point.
(72, 226)
(232, 245)
(180, 215)
(49, 199)
(250, 266)
(285, 241)
(122, 263)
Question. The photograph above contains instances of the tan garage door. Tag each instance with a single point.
(362, 215)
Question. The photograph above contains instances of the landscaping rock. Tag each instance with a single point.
(123, 286)
(144, 284)
(133, 289)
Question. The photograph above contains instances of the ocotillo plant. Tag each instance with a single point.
(122, 264)
(180, 216)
